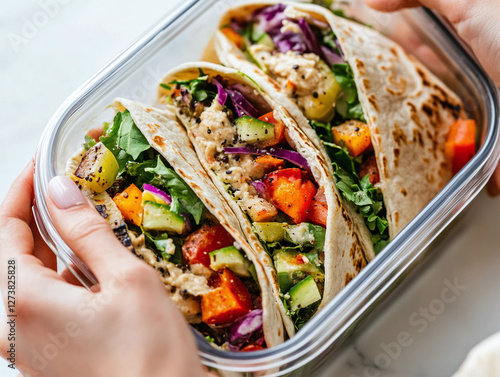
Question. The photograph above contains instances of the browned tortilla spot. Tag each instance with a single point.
(398, 134)
(422, 75)
(417, 137)
(404, 192)
(373, 102)
(366, 83)
(159, 141)
(396, 217)
(394, 51)
(348, 278)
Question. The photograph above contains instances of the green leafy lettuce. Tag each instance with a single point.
(367, 199)
(347, 105)
(156, 173)
(124, 140)
(200, 88)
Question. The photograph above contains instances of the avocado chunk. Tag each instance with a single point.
(270, 232)
(306, 234)
(253, 130)
(292, 266)
(159, 217)
(304, 294)
(230, 257)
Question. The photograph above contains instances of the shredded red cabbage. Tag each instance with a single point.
(220, 90)
(260, 187)
(241, 104)
(157, 192)
(248, 326)
(291, 156)
(309, 38)
(289, 41)
(270, 18)
(337, 43)
(330, 56)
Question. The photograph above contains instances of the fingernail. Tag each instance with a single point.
(64, 193)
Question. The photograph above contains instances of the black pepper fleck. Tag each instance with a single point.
(315, 94)
(209, 131)
(295, 66)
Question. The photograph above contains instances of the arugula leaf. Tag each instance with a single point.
(324, 131)
(89, 142)
(367, 199)
(199, 87)
(347, 105)
(124, 140)
(184, 200)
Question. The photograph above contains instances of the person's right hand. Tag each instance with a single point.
(127, 327)
(476, 22)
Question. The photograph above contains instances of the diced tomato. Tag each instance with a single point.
(228, 302)
(96, 133)
(290, 192)
(252, 347)
(370, 168)
(460, 145)
(234, 37)
(270, 163)
(199, 244)
(318, 213)
(301, 259)
(355, 135)
(279, 130)
(129, 202)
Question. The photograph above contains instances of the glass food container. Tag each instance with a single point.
(182, 37)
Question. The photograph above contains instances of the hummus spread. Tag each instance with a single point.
(185, 286)
(214, 132)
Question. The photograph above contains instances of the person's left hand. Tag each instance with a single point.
(126, 327)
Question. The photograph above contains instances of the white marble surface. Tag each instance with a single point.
(79, 37)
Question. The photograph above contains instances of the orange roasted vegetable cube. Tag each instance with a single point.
(234, 37)
(129, 202)
(355, 135)
(460, 145)
(230, 301)
(290, 192)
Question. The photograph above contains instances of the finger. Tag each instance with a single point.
(392, 5)
(41, 250)
(84, 230)
(19, 199)
(493, 186)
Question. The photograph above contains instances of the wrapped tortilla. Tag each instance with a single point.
(375, 112)
(145, 179)
(276, 182)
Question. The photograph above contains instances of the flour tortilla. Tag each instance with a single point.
(409, 111)
(165, 134)
(344, 256)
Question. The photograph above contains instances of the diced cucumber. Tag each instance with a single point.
(159, 217)
(304, 294)
(253, 130)
(258, 61)
(284, 282)
(306, 234)
(253, 272)
(270, 232)
(230, 257)
(293, 266)
(266, 40)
